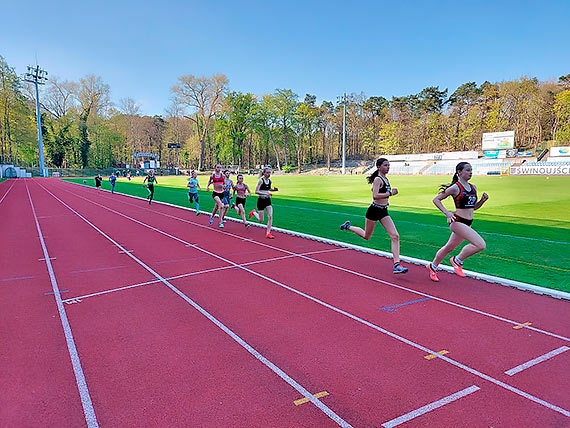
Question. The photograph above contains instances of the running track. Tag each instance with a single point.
(148, 316)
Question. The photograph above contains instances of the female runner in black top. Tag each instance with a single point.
(264, 190)
(151, 179)
(378, 211)
(465, 198)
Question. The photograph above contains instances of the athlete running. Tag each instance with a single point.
(226, 199)
(263, 190)
(242, 191)
(217, 178)
(378, 211)
(465, 197)
(193, 187)
(151, 179)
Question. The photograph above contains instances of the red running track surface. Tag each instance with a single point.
(132, 277)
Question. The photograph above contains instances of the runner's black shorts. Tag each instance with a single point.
(218, 194)
(463, 220)
(193, 196)
(240, 201)
(263, 203)
(377, 212)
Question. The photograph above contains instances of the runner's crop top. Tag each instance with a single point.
(219, 179)
(465, 199)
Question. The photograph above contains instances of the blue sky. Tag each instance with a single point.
(323, 48)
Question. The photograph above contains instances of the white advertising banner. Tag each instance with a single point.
(540, 170)
(560, 151)
(498, 140)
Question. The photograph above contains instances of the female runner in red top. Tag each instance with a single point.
(465, 198)
(219, 180)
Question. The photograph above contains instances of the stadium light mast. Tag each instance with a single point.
(343, 99)
(37, 76)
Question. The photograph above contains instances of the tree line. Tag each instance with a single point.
(82, 127)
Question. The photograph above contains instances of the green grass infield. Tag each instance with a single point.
(525, 222)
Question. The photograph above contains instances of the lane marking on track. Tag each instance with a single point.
(184, 275)
(305, 400)
(524, 324)
(432, 356)
(391, 308)
(293, 383)
(7, 191)
(432, 406)
(98, 269)
(125, 251)
(72, 301)
(537, 360)
(476, 275)
(88, 410)
(17, 279)
(51, 292)
(43, 259)
(340, 311)
(331, 265)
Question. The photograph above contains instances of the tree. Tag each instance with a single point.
(562, 121)
(94, 98)
(204, 97)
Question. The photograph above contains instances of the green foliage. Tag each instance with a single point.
(288, 168)
(562, 109)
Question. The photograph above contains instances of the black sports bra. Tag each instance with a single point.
(465, 199)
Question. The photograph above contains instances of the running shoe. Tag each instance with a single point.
(270, 236)
(221, 225)
(398, 268)
(432, 272)
(247, 226)
(251, 213)
(197, 212)
(345, 225)
(211, 219)
(457, 266)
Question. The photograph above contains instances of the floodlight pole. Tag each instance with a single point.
(343, 99)
(38, 76)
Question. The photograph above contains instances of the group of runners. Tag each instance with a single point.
(224, 191)
(465, 198)
(464, 195)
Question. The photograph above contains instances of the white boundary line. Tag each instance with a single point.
(537, 360)
(429, 407)
(88, 410)
(319, 404)
(342, 312)
(184, 275)
(477, 275)
(381, 281)
(8, 191)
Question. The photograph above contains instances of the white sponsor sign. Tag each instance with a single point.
(541, 170)
(498, 140)
(560, 151)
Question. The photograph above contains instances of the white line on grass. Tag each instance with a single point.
(381, 281)
(319, 404)
(347, 314)
(184, 275)
(537, 360)
(429, 225)
(88, 410)
(428, 408)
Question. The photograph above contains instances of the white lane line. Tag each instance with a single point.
(184, 275)
(353, 317)
(333, 266)
(428, 408)
(537, 360)
(88, 410)
(319, 404)
(8, 191)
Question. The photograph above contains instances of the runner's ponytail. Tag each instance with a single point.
(371, 177)
(459, 167)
